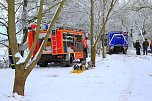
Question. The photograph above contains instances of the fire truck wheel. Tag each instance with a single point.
(70, 62)
(44, 64)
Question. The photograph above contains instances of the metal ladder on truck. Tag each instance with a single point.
(54, 43)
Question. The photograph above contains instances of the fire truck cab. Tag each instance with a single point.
(64, 45)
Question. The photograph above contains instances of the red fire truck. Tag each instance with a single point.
(64, 45)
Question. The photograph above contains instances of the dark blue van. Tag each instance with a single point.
(117, 42)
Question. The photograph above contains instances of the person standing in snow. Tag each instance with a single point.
(151, 46)
(145, 46)
(85, 47)
(11, 61)
(137, 46)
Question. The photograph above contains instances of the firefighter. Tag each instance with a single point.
(31, 35)
(11, 62)
(85, 47)
(151, 46)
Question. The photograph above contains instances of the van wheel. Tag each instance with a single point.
(124, 52)
(110, 52)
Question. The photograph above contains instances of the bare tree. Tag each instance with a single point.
(93, 44)
(24, 68)
(137, 17)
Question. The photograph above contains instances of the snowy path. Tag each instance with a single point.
(133, 76)
(130, 76)
(116, 78)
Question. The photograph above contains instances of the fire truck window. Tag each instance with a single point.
(68, 37)
(75, 38)
(65, 47)
(79, 38)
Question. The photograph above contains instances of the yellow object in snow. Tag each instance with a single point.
(77, 71)
(78, 68)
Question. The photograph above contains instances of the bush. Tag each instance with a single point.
(3, 63)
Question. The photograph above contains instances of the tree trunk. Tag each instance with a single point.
(93, 51)
(103, 38)
(21, 71)
(13, 45)
(103, 48)
(93, 56)
(19, 81)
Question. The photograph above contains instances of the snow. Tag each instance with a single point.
(117, 78)
(21, 59)
(3, 52)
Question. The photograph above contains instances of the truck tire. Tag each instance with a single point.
(44, 64)
(70, 62)
(110, 52)
(124, 52)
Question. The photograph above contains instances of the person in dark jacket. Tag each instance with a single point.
(151, 46)
(145, 46)
(137, 46)
(11, 62)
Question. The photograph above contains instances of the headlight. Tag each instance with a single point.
(112, 47)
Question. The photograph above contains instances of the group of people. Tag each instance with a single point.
(145, 46)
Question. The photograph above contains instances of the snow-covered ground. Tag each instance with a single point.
(3, 52)
(116, 78)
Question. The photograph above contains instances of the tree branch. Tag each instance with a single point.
(38, 55)
(107, 17)
(37, 32)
